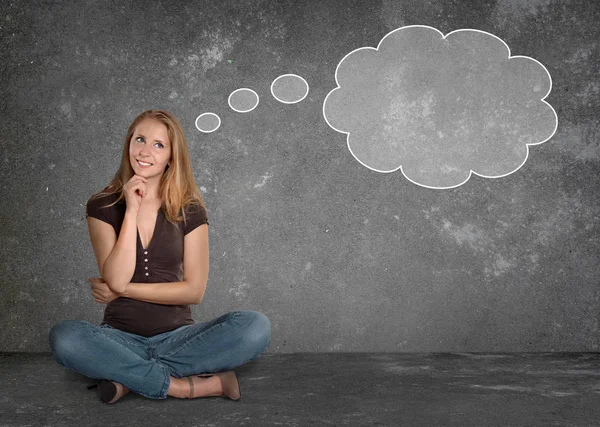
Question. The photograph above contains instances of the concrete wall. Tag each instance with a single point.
(339, 256)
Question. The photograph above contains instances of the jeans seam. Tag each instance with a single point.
(195, 338)
(166, 384)
(122, 343)
(162, 394)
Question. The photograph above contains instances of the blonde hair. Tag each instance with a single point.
(178, 187)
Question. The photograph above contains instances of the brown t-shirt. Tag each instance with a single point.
(161, 261)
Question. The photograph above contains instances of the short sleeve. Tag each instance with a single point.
(195, 217)
(94, 208)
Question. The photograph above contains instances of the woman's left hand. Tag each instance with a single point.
(101, 292)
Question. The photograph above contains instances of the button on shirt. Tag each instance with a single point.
(161, 261)
(146, 260)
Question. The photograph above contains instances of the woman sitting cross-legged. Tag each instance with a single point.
(149, 233)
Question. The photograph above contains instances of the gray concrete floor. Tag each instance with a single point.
(329, 389)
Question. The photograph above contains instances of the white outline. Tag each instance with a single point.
(290, 102)
(471, 172)
(243, 111)
(207, 131)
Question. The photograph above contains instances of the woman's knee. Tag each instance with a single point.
(258, 329)
(64, 336)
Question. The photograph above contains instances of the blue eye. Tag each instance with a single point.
(141, 139)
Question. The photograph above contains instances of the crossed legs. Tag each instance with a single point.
(159, 366)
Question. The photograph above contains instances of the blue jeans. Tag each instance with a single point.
(144, 364)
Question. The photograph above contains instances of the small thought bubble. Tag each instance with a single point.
(208, 122)
(441, 108)
(243, 100)
(289, 88)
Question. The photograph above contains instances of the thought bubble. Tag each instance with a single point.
(289, 88)
(440, 108)
(243, 100)
(208, 122)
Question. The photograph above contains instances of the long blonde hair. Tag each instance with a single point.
(177, 187)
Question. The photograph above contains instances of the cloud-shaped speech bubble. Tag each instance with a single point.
(441, 107)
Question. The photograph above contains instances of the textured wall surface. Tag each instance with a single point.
(338, 256)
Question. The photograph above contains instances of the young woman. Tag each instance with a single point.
(149, 233)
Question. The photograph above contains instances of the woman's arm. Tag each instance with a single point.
(119, 267)
(195, 275)
(115, 256)
(169, 293)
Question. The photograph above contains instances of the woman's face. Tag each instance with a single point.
(149, 144)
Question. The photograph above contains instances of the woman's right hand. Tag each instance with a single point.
(135, 191)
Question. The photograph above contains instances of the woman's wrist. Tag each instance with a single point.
(132, 213)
